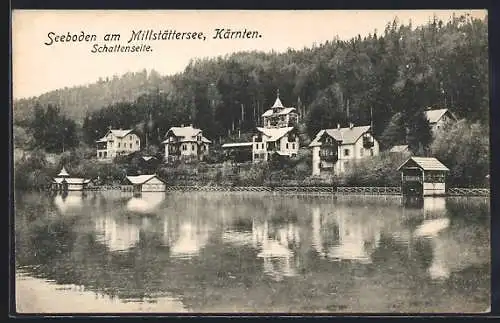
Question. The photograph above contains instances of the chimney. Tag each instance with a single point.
(351, 125)
(338, 126)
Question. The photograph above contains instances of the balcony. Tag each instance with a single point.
(368, 142)
(328, 155)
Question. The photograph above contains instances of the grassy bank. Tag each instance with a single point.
(35, 169)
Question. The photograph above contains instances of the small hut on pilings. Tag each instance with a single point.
(64, 182)
(58, 182)
(423, 176)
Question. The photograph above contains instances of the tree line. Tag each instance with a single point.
(384, 79)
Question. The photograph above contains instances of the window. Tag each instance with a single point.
(129, 137)
(192, 147)
(130, 145)
(262, 146)
(293, 145)
(361, 152)
(256, 156)
(137, 142)
(371, 152)
(346, 152)
(118, 145)
(183, 147)
(105, 154)
(287, 145)
(100, 154)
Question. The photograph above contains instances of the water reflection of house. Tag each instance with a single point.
(451, 248)
(451, 253)
(193, 237)
(344, 238)
(117, 235)
(275, 245)
(68, 201)
(146, 203)
(434, 207)
(316, 237)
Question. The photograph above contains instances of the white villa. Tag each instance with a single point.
(185, 142)
(333, 150)
(278, 135)
(282, 141)
(279, 116)
(117, 143)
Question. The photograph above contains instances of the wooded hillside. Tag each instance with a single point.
(402, 69)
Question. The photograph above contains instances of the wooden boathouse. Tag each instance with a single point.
(146, 183)
(423, 176)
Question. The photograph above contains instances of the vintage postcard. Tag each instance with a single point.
(191, 161)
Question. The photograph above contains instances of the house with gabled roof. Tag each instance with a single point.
(277, 136)
(279, 116)
(335, 150)
(439, 118)
(117, 142)
(185, 142)
(268, 141)
(146, 183)
(423, 176)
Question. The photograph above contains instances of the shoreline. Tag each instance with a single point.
(301, 190)
(37, 296)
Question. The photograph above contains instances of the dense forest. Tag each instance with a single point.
(400, 71)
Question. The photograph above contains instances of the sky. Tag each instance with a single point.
(38, 68)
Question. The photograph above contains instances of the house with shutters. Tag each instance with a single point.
(439, 118)
(335, 150)
(185, 142)
(117, 142)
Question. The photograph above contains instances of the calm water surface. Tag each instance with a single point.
(250, 252)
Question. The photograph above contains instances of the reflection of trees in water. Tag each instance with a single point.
(146, 268)
(44, 239)
(59, 251)
(479, 209)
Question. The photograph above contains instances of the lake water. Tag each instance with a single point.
(250, 252)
